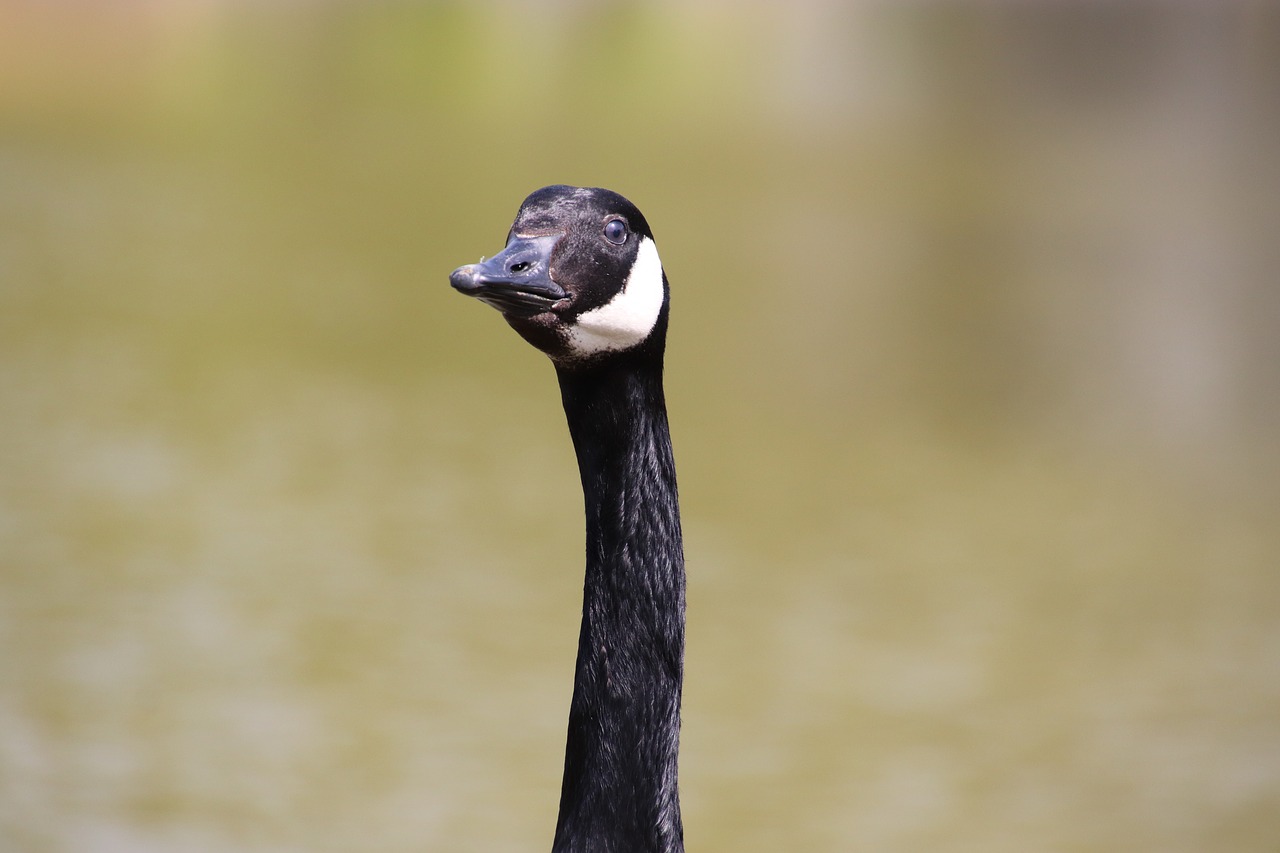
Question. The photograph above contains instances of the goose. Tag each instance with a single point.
(580, 280)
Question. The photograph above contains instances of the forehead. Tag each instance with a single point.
(561, 207)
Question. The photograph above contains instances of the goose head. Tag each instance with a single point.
(579, 277)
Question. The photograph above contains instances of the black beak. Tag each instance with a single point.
(517, 280)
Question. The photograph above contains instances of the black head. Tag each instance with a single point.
(580, 277)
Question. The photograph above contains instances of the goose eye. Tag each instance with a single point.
(615, 231)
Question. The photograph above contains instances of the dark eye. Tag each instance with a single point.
(615, 231)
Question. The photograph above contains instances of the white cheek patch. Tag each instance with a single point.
(629, 317)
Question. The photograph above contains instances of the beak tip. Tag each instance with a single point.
(463, 278)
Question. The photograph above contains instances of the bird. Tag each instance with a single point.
(580, 279)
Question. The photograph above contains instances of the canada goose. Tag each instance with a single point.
(580, 279)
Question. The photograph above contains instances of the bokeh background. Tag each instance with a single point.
(974, 375)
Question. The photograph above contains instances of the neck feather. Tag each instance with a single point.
(619, 791)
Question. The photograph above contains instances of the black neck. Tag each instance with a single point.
(619, 792)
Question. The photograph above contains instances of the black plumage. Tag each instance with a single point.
(590, 293)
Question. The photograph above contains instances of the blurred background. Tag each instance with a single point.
(974, 375)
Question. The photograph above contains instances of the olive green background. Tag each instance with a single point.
(974, 378)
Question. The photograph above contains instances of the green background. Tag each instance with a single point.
(974, 377)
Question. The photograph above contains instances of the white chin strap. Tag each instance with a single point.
(628, 318)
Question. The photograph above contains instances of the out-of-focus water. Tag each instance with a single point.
(972, 377)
